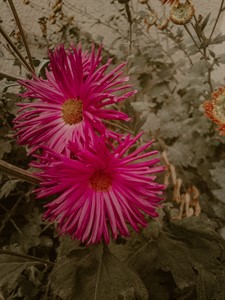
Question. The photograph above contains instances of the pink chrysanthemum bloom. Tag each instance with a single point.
(99, 189)
(70, 103)
(215, 109)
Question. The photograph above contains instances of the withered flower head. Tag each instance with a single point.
(215, 108)
(182, 13)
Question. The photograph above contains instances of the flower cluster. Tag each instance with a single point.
(100, 183)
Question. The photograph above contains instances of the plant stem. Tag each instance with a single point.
(14, 171)
(130, 21)
(22, 34)
(10, 77)
(114, 124)
(16, 50)
(209, 76)
(204, 55)
(170, 34)
(193, 39)
(44, 261)
(217, 19)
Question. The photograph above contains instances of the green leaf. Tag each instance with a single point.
(8, 187)
(64, 274)
(221, 58)
(152, 123)
(181, 250)
(220, 38)
(217, 175)
(180, 154)
(210, 284)
(5, 147)
(108, 278)
(171, 129)
(11, 267)
(93, 273)
(42, 66)
(205, 22)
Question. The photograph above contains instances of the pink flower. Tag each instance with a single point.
(70, 103)
(100, 188)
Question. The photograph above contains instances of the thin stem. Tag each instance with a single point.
(204, 55)
(22, 33)
(217, 19)
(169, 34)
(16, 50)
(10, 77)
(14, 171)
(44, 261)
(209, 76)
(97, 280)
(98, 21)
(130, 21)
(193, 39)
(173, 38)
(114, 124)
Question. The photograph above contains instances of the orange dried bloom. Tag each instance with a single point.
(182, 13)
(215, 109)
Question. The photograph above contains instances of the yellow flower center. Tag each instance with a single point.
(72, 111)
(219, 107)
(100, 181)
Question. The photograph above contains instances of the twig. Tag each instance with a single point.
(170, 35)
(10, 77)
(204, 55)
(44, 261)
(16, 50)
(209, 76)
(217, 19)
(22, 34)
(17, 172)
(130, 21)
(114, 124)
(193, 39)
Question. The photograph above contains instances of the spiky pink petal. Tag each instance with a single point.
(101, 189)
(73, 76)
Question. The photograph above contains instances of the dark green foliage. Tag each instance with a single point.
(170, 259)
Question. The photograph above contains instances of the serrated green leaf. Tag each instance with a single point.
(218, 174)
(11, 267)
(93, 274)
(152, 122)
(64, 274)
(108, 278)
(181, 250)
(210, 284)
(180, 154)
(8, 187)
(171, 130)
